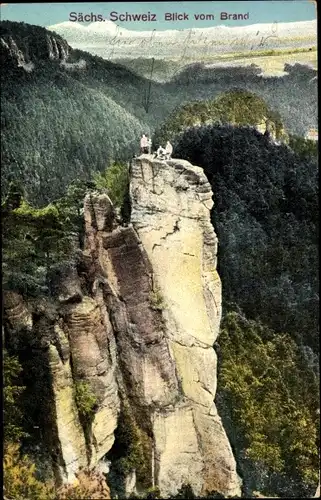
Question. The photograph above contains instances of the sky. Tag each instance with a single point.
(262, 11)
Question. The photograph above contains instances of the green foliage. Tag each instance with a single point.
(115, 180)
(132, 448)
(239, 107)
(68, 131)
(89, 484)
(70, 207)
(37, 239)
(86, 400)
(273, 396)
(12, 415)
(305, 148)
(19, 480)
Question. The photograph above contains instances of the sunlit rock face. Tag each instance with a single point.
(135, 320)
(171, 203)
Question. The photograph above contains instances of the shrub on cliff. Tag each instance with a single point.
(89, 484)
(115, 180)
(12, 390)
(35, 240)
(132, 449)
(86, 400)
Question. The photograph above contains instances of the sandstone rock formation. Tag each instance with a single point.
(14, 53)
(136, 320)
(171, 204)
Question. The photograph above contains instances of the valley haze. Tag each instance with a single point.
(109, 40)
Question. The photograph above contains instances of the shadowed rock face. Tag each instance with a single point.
(142, 330)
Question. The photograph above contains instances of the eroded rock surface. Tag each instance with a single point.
(136, 320)
(171, 202)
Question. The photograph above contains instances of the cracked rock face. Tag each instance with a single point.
(136, 320)
(171, 202)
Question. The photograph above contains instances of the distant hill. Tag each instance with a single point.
(238, 107)
(65, 114)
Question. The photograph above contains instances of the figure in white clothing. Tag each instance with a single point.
(169, 150)
(161, 153)
(143, 144)
(149, 146)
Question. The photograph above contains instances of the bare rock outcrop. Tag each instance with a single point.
(171, 202)
(17, 313)
(135, 320)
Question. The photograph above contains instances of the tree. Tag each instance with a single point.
(115, 180)
(19, 480)
(12, 415)
(86, 400)
(34, 239)
(273, 397)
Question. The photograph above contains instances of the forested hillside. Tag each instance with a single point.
(66, 112)
(55, 133)
(292, 95)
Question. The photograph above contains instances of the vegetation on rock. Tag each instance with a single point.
(115, 180)
(156, 300)
(273, 396)
(88, 485)
(12, 391)
(86, 400)
(132, 448)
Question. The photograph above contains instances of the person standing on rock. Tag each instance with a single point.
(169, 150)
(149, 146)
(144, 144)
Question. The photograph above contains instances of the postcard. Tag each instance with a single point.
(160, 218)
